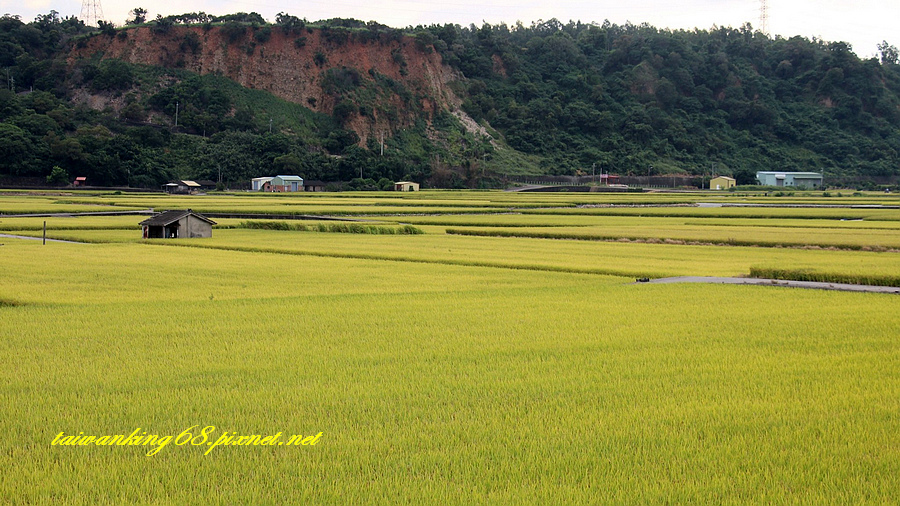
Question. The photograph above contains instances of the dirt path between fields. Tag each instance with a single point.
(11, 236)
(780, 282)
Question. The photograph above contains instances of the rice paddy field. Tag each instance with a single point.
(449, 347)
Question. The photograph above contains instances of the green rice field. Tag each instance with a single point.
(500, 354)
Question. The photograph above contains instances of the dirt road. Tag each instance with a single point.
(780, 282)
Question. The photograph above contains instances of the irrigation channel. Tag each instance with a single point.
(778, 282)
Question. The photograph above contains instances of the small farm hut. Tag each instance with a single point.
(313, 186)
(406, 186)
(177, 224)
(184, 187)
(721, 183)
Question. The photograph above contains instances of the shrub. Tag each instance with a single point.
(190, 42)
(106, 28)
(113, 75)
(344, 110)
(335, 228)
(339, 80)
(58, 176)
(233, 31)
(162, 25)
(824, 277)
(265, 225)
(263, 34)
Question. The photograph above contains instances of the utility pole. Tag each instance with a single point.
(176, 114)
(270, 125)
(594, 172)
(382, 143)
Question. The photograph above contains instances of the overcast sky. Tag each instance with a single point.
(862, 23)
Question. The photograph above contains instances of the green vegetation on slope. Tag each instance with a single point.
(729, 101)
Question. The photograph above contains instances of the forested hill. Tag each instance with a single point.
(550, 98)
(629, 97)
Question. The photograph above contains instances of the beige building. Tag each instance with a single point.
(406, 186)
(177, 224)
(721, 183)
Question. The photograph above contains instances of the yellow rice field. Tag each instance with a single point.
(440, 368)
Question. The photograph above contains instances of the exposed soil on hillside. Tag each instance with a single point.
(290, 66)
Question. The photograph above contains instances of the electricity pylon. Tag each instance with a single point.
(91, 12)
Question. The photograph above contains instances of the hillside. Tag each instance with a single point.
(637, 99)
(322, 69)
(449, 103)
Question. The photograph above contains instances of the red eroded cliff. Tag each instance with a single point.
(292, 66)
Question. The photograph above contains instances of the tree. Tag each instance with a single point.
(133, 112)
(289, 24)
(140, 16)
(288, 164)
(113, 75)
(106, 28)
(16, 148)
(58, 176)
(385, 184)
(889, 53)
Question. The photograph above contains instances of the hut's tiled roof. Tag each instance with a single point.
(168, 217)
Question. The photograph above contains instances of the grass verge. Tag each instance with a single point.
(824, 277)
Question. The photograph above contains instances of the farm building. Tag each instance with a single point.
(177, 224)
(206, 184)
(257, 183)
(80, 181)
(277, 184)
(313, 186)
(721, 183)
(406, 186)
(182, 187)
(794, 179)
